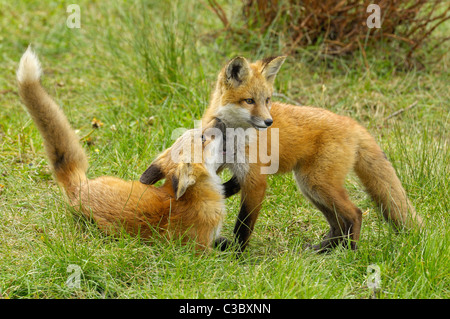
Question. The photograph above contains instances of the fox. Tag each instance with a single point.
(317, 145)
(188, 206)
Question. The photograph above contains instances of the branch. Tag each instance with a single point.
(401, 111)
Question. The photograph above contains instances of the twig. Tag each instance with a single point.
(8, 91)
(87, 135)
(401, 111)
(219, 12)
(364, 55)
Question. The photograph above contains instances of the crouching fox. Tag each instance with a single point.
(188, 206)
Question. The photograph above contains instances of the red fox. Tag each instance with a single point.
(188, 206)
(320, 147)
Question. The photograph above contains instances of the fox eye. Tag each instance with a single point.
(249, 101)
(268, 100)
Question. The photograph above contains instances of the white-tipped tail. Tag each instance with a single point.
(66, 155)
(29, 67)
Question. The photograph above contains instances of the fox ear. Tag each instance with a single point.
(151, 175)
(182, 180)
(271, 66)
(237, 71)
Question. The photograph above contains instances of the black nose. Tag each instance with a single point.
(268, 122)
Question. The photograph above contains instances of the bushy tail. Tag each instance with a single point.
(381, 182)
(67, 157)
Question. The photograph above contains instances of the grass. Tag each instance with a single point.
(132, 61)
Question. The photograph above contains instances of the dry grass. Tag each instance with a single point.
(340, 26)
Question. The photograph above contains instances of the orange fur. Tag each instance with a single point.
(320, 147)
(189, 205)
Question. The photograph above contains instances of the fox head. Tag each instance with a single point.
(180, 164)
(242, 97)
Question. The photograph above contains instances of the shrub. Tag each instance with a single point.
(339, 26)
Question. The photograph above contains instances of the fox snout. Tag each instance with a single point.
(260, 123)
(268, 122)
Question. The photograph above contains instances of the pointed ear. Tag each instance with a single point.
(271, 66)
(182, 180)
(237, 71)
(151, 175)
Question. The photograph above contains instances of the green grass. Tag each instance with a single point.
(131, 61)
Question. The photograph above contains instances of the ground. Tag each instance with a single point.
(142, 70)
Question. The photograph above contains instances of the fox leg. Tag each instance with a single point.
(231, 186)
(252, 195)
(253, 189)
(342, 215)
(333, 237)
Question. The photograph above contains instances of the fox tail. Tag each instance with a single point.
(381, 182)
(66, 156)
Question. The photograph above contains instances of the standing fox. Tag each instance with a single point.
(189, 205)
(320, 147)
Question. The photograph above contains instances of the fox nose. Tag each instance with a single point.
(268, 122)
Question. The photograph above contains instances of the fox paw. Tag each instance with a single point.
(222, 243)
